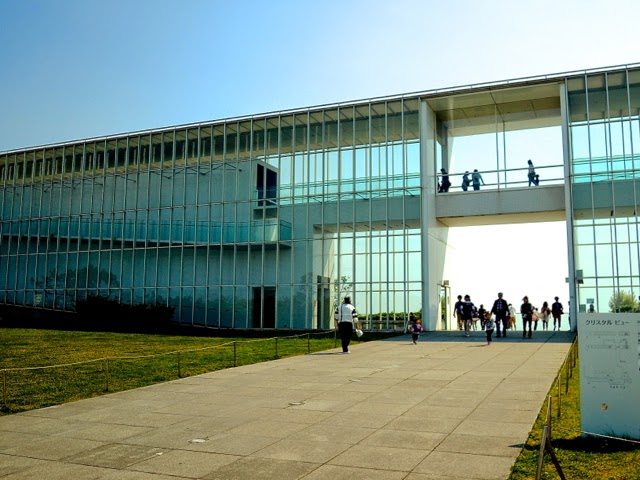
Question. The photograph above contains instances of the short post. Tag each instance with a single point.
(549, 404)
(4, 388)
(106, 371)
(566, 382)
(308, 343)
(559, 383)
(235, 358)
(276, 347)
(179, 375)
(543, 443)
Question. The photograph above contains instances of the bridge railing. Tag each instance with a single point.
(506, 178)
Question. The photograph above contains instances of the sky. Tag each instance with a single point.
(72, 69)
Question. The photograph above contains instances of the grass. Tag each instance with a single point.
(580, 457)
(28, 389)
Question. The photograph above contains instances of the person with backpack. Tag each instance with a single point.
(445, 183)
(468, 309)
(556, 311)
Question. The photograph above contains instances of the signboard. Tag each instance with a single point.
(610, 373)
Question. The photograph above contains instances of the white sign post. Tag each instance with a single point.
(610, 373)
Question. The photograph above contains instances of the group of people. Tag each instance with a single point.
(476, 179)
(502, 316)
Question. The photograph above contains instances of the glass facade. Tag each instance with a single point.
(258, 223)
(267, 221)
(604, 110)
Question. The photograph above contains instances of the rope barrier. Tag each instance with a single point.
(611, 438)
(173, 352)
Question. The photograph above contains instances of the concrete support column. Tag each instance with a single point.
(434, 233)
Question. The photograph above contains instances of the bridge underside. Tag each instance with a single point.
(513, 205)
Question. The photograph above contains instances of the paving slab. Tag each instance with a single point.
(449, 408)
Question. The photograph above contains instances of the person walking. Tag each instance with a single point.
(467, 314)
(457, 312)
(531, 175)
(416, 330)
(526, 309)
(545, 313)
(488, 328)
(445, 183)
(476, 178)
(347, 317)
(482, 314)
(557, 311)
(501, 309)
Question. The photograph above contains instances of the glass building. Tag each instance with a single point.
(267, 221)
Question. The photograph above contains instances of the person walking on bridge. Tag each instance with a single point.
(445, 183)
(501, 309)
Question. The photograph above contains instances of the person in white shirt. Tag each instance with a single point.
(346, 317)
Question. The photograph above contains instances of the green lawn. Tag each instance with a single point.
(27, 389)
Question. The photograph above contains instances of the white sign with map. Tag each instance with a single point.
(610, 373)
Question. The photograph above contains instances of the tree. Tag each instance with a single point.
(623, 302)
(341, 287)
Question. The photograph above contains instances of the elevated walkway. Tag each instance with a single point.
(511, 205)
(449, 407)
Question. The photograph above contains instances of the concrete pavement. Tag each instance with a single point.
(449, 408)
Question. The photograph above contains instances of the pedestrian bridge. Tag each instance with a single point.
(590, 198)
(510, 205)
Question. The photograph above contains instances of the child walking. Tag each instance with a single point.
(488, 328)
(416, 329)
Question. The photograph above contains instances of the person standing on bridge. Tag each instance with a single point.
(465, 181)
(501, 310)
(476, 178)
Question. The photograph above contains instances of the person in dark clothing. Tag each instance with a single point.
(526, 309)
(468, 308)
(556, 311)
(501, 310)
(482, 314)
(466, 181)
(457, 312)
(445, 183)
(531, 174)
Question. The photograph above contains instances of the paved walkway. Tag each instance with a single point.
(449, 408)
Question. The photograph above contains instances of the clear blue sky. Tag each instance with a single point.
(72, 69)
